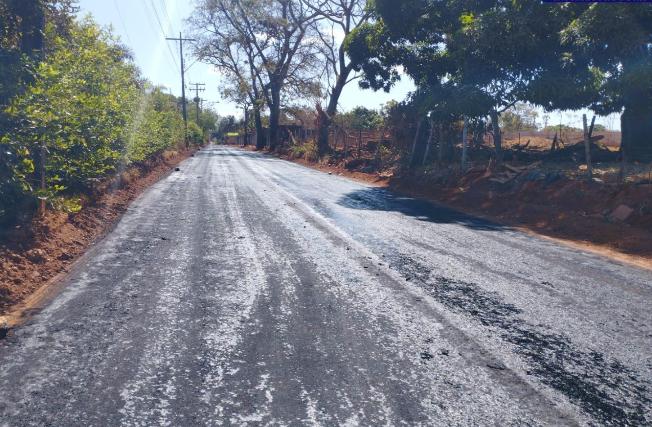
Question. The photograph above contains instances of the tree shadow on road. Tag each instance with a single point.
(379, 199)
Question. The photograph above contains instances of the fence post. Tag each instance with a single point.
(359, 141)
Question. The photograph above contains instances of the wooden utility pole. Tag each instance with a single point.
(587, 148)
(198, 87)
(180, 39)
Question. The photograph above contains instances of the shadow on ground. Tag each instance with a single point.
(378, 199)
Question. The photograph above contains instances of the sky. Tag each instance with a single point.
(143, 25)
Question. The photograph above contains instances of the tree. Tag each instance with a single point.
(226, 125)
(223, 45)
(361, 118)
(474, 59)
(156, 125)
(77, 108)
(521, 117)
(338, 19)
(84, 112)
(23, 38)
(614, 42)
(276, 41)
(428, 40)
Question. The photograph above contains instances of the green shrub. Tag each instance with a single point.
(78, 106)
(90, 109)
(156, 125)
(307, 150)
(195, 134)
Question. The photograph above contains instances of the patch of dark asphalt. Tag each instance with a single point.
(606, 389)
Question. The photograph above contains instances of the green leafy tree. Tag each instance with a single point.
(614, 41)
(157, 125)
(521, 117)
(76, 109)
(272, 48)
(83, 112)
(558, 56)
(361, 118)
(22, 44)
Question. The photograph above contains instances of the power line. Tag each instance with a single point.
(122, 21)
(163, 32)
(167, 15)
(158, 20)
(156, 15)
(193, 63)
(198, 87)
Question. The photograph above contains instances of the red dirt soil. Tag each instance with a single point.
(32, 255)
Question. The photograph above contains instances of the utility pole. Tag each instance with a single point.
(183, 85)
(198, 87)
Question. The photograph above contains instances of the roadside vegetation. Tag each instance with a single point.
(74, 110)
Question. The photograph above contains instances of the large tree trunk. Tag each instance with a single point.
(441, 145)
(326, 119)
(431, 134)
(274, 118)
(246, 126)
(636, 128)
(323, 126)
(260, 131)
(498, 139)
(322, 136)
(273, 136)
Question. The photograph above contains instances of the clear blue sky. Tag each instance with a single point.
(143, 26)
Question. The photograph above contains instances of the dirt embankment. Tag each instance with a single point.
(612, 220)
(33, 254)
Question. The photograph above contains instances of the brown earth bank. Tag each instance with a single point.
(34, 254)
(609, 219)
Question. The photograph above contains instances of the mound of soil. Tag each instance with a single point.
(553, 205)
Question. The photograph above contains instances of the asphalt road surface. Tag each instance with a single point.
(246, 290)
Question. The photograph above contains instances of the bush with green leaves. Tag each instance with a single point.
(86, 111)
(156, 125)
(76, 110)
(195, 134)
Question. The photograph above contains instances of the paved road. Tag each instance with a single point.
(245, 290)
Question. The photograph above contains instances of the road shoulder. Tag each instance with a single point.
(36, 257)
